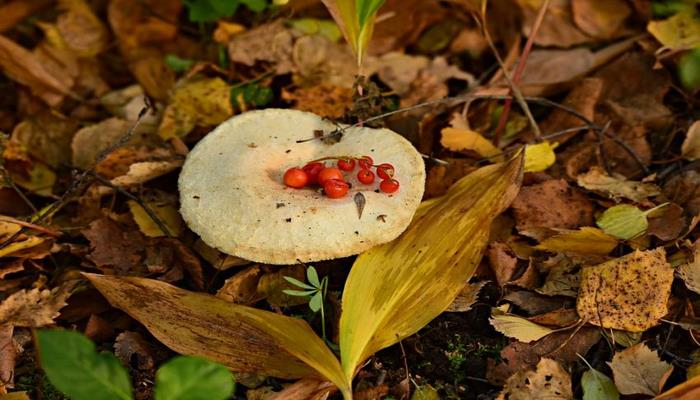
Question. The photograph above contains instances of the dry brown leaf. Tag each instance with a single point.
(34, 308)
(112, 247)
(549, 381)
(503, 262)
(688, 390)
(690, 272)
(582, 98)
(466, 298)
(600, 19)
(80, 29)
(557, 29)
(22, 66)
(691, 144)
(617, 186)
(142, 172)
(141, 28)
(131, 348)
(326, 100)
(667, 223)
(8, 354)
(639, 370)
(270, 42)
(46, 137)
(559, 346)
(562, 280)
(242, 288)
(551, 204)
(628, 293)
(92, 140)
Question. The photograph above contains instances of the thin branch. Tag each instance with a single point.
(149, 211)
(519, 69)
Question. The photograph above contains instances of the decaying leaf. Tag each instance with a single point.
(34, 308)
(518, 328)
(688, 390)
(540, 156)
(418, 271)
(691, 144)
(628, 293)
(242, 338)
(563, 279)
(585, 240)
(549, 381)
(639, 370)
(600, 19)
(166, 213)
(141, 172)
(466, 298)
(198, 102)
(617, 186)
(690, 273)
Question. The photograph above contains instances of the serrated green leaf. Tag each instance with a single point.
(395, 289)
(74, 367)
(193, 378)
(312, 277)
(597, 386)
(298, 283)
(623, 221)
(316, 302)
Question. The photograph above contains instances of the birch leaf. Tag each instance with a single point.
(420, 271)
(540, 156)
(623, 221)
(597, 386)
(519, 328)
(639, 370)
(616, 186)
(244, 339)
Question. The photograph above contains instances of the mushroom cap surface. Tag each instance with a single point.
(233, 196)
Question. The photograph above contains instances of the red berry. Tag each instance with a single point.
(312, 169)
(365, 176)
(365, 162)
(329, 173)
(296, 178)
(346, 164)
(389, 185)
(335, 188)
(385, 171)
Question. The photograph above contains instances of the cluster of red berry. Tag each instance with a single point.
(332, 180)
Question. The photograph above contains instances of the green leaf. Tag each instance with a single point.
(74, 367)
(178, 64)
(193, 378)
(312, 277)
(316, 302)
(298, 293)
(366, 9)
(689, 70)
(250, 95)
(297, 282)
(255, 5)
(212, 10)
(597, 386)
(623, 221)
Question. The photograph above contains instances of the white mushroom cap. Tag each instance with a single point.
(232, 192)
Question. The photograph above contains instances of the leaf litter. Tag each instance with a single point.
(557, 283)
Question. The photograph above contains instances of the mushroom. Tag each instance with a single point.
(233, 196)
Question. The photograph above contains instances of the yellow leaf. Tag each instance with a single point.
(540, 156)
(679, 32)
(167, 214)
(242, 338)
(466, 139)
(518, 328)
(395, 289)
(19, 245)
(690, 272)
(585, 240)
(198, 102)
(629, 293)
(689, 390)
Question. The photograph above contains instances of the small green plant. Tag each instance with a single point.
(212, 10)
(315, 290)
(178, 64)
(73, 365)
(250, 95)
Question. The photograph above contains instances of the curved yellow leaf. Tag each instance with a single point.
(540, 156)
(519, 328)
(395, 289)
(585, 240)
(242, 338)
